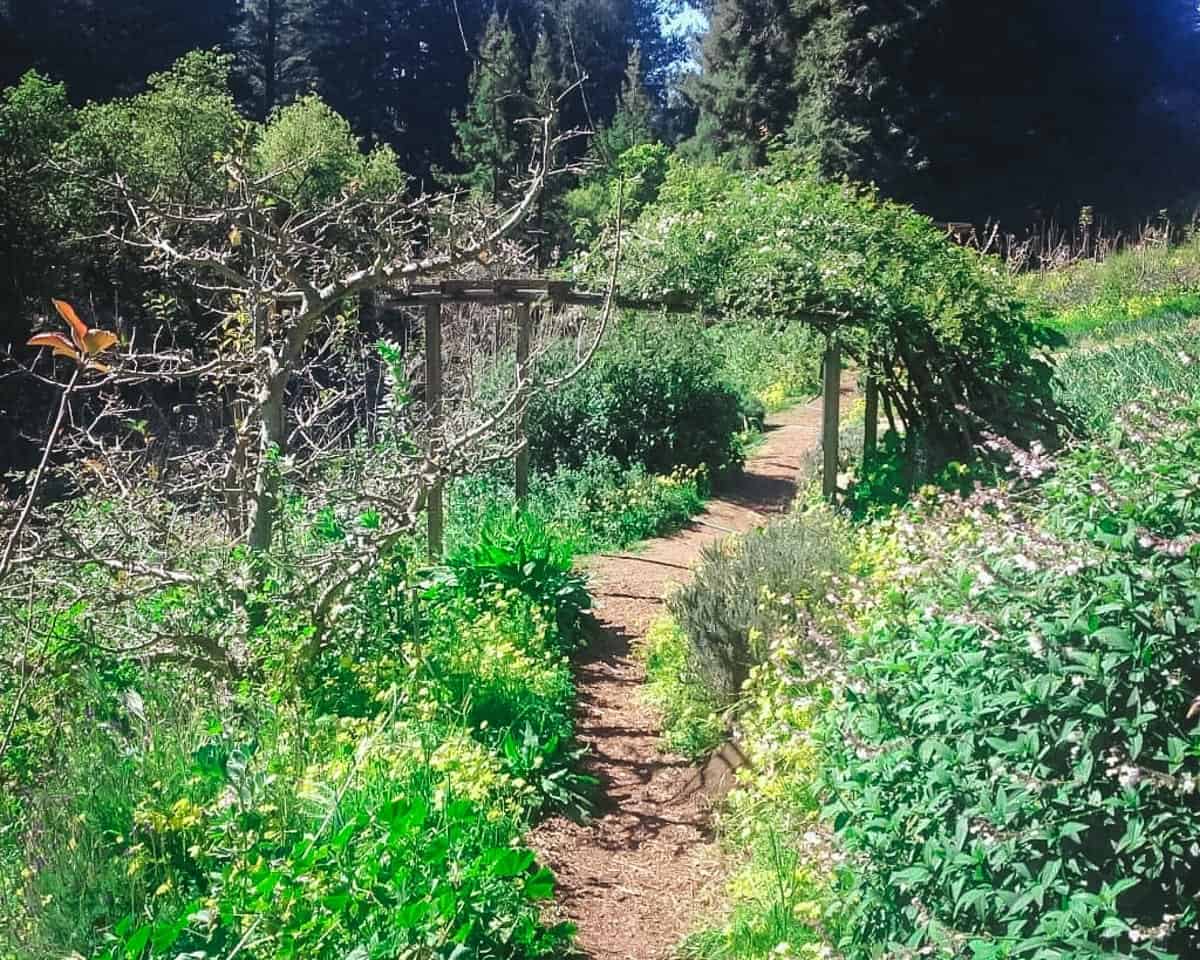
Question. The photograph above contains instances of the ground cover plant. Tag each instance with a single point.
(373, 802)
(1129, 320)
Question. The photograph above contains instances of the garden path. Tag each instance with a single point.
(646, 870)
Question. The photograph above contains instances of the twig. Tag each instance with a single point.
(6, 560)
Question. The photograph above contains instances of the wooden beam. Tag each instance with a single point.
(435, 510)
(830, 419)
(511, 291)
(524, 331)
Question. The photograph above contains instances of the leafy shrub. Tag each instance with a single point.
(592, 206)
(654, 396)
(727, 610)
(598, 506)
(783, 893)
(320, 155)
(515, 550)
(1016, 765)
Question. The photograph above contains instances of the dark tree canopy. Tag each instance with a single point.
(397, 69)
(1019, 110)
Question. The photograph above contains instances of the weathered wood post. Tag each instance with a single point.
(524, 331)
(871, 423)
(435, 508)
(831, 417)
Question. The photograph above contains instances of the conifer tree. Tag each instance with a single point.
(856, 112)
(746, 89)
(490, 137)
(274, 42)
(633, 122)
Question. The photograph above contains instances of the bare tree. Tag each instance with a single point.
(283, 282)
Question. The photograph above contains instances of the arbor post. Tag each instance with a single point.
(524, 332)
(830, 417)
(871, 423)
(435, 507)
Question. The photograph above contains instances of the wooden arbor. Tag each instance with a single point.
(520, 294)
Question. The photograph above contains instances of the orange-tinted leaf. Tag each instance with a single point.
(61, 346)
(98, 366)
(79, 329)
(97, 341)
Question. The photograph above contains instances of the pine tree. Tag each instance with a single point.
(274, 42)
(746, 89)
(856, 113)
(491, 141)
(633, 120)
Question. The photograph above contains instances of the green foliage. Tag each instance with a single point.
(34, 115)
(318, 155)
(166, 138)
(728, 609)
(938, 324)
(653, 396)
(783, 890)
(599, 506)
(776, 370)
(745, 91)
(691, 715)
(490, 139)
(515, 551)
(368, 799)
(1014, 771)
(628, 185)
(1095, 382)
(1134, 284)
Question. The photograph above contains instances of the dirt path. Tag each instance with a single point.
(645, 871)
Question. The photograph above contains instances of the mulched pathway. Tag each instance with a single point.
(646, 870)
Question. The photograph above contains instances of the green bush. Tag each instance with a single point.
(1015, 768)
(654, 396)
(598, 506)
(728, 608)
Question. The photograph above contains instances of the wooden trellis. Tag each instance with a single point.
(521, 294)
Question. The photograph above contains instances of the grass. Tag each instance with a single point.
(1129, 327)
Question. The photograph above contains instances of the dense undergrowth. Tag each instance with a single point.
(369, 805)
(974, 733)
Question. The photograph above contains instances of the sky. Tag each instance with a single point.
(690, 20)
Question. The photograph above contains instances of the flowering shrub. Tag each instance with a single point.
(1015, 770)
